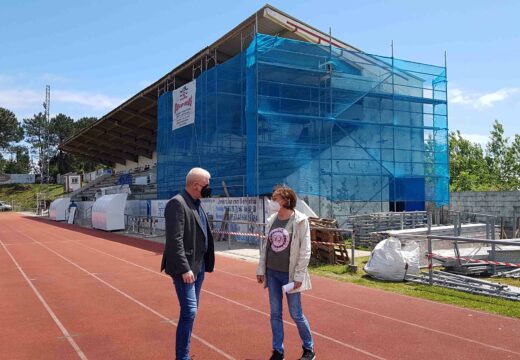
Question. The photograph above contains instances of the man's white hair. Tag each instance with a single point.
(197, 174)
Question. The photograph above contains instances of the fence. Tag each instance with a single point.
(143, 225)
(146, 226)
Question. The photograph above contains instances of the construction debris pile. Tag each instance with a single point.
(515, 274)
(328, 244)
(364, 225)
(467, 284)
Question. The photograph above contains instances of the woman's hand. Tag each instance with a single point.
(297, 284)
(260, 279)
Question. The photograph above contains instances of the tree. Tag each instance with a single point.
(10, 129)
(496, 155)
(36, 131)
(83, 123)
(497, 170)
(468, 168)
(512, 165)
(3, 162)
(81, 163)
(502, 159)
(21, 163)
(61, 127)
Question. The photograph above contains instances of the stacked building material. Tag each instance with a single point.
(328, 244)
(366, 224)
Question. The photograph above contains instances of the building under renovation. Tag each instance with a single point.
(276, 101)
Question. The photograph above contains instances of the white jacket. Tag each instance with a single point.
(300, 251)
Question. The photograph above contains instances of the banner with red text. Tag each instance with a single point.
(184, 105)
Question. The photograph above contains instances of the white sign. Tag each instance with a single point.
(157, 210)
(72, 215)
(157, 207)
(141, 180)
(184, 105)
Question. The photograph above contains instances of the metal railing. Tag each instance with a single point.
(456, 240)
(143, 225)
(466, 283)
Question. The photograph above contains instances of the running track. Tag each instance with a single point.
(69, 293)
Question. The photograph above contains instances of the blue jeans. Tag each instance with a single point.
(275, 281)
(188, 295)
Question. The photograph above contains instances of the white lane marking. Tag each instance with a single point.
(33, 243)
(211, 346)
(318, 298)
(238, 304)
(352, 347)
(391, 318)
(64, 331)
(321, 299)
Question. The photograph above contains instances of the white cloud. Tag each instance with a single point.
(94, 101)
(488, 100)
(19, 99)
(456, 96)
(24, 99)
(477, 138)
(480, 101)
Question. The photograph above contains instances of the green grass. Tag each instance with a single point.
(448, 296)
(24, 195)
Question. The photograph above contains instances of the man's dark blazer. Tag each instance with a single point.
(184, 249)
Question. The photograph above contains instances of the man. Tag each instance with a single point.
(189, 252)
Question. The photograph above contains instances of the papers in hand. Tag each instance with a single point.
(288, 287)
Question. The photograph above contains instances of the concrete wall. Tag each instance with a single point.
(499, 203)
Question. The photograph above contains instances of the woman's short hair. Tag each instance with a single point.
(287, 194)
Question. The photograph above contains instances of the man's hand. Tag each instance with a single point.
(260, 279)
(188, 277)
(297, 284)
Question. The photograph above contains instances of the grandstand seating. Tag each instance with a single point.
(139, 192)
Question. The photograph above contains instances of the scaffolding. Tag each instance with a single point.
(349, 131)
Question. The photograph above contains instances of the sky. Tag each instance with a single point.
(96, 54)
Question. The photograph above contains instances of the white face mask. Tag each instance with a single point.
(274, 206)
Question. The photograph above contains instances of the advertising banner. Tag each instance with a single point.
(184, 105)
(240, 209)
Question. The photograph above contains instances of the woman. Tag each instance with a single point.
(284, 258)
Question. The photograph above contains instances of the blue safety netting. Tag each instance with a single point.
(340, 125)
(216, 141)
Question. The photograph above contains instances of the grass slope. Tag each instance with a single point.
(24, 195)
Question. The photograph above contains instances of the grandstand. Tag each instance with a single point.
(138, 191)
(278, 101)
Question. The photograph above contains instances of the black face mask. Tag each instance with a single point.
(205, 192)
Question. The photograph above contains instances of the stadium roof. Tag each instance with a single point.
(129, 130)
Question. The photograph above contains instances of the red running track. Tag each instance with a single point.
(69, 293)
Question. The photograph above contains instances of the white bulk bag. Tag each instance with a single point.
(388, 260)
